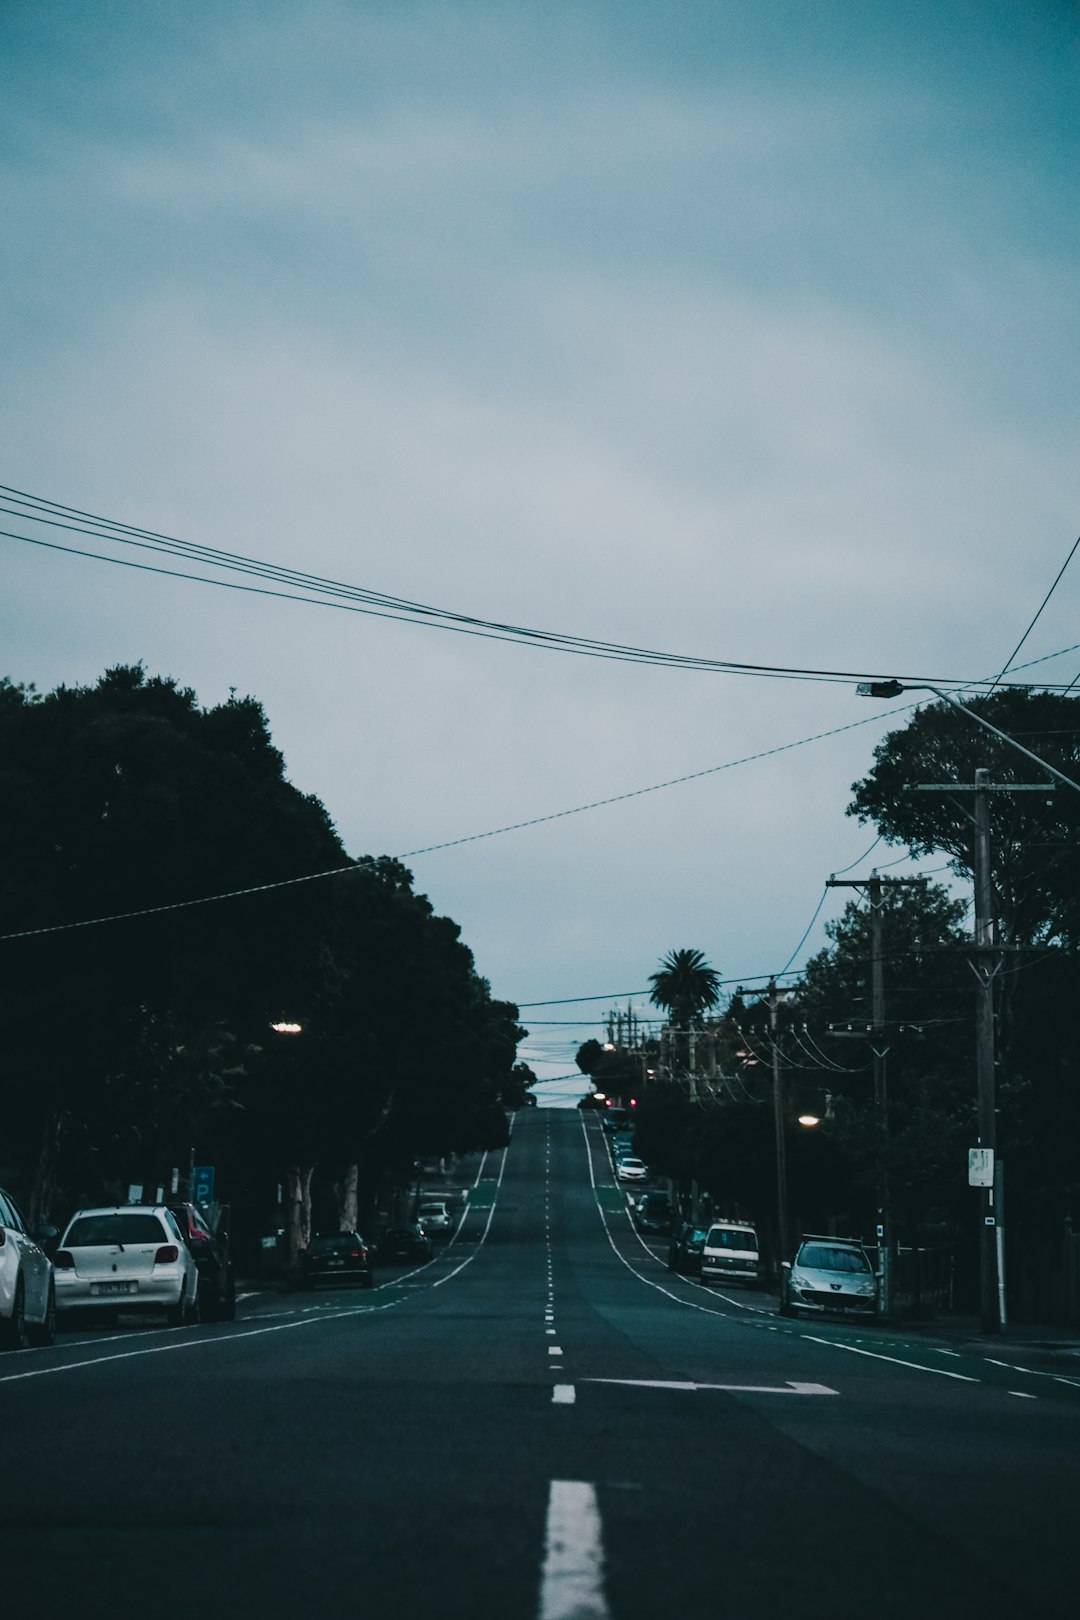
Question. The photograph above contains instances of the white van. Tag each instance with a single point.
(731, 1253)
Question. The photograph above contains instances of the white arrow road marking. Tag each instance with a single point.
(791, 1388)
(572, 1580)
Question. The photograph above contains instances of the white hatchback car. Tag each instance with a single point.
(632, 1169)
(129, 1257)
(27, 1301)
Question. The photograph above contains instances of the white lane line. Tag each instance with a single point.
(938, 1372)
(198, 1344)
(551, 1331)
(793, 1387)
(572, 1578)
(566, 1395)
(1022, 1395)
(487, 1225)
(553, 1350)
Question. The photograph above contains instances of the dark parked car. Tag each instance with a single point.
(336, 1257)
(684, 1250)
(210, 1249)
(407, 1243)
(653, 1212)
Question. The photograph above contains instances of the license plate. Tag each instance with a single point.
(113, 1288)
(335, 1260)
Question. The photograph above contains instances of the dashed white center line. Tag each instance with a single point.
(572, 1579)
(566, 1395)
(553, 1350)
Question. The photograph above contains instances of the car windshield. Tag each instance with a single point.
(830, 1257)
(97, 1231)
(725, 1237)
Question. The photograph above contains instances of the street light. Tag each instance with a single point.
(286, 1026)
(892, 689)
(809, 1120)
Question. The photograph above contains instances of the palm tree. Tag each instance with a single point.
(685, 986)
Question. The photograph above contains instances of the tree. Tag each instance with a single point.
(1035, 841)
(119, 798)
(685, 986)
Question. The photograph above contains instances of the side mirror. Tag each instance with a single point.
(46, 1238)
(785, 1265)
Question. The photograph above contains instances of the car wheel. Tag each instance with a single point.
(44, 1333)
(13, 1332)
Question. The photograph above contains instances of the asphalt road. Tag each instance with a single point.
(542, 1423)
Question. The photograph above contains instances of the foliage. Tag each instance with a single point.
(129, 1041)
(685, 985)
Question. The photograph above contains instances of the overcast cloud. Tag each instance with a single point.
(745, 330)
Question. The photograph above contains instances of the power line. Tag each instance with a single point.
(1042, 604)
(450, 843)
(379, 604)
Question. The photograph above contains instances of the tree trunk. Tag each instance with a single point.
(43, 1185)
(346, 1192)
(297, 1209)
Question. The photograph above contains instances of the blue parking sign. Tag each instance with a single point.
(202, 1184)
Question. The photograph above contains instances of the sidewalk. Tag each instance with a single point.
(1024, 1342)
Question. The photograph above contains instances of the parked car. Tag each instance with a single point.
(652, 1213)
(828, 1274)
(435, 1217)
(631, 1169)
(27, 1290)
(409, 1242)
(614, 1119)
(210, 1249)
(336, 1257)
(684, 1250)
(128, 1257)
(731, 1253)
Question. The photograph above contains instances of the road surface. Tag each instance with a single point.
(541, 1424)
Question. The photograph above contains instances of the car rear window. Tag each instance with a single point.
(826, 1257)
(96, 1231)
(724, 1237)
(327, 1245)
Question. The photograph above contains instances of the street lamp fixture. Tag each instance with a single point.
(285, 1026)
(809, 1120)
(893, 689)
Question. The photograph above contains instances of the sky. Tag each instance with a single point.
(741, 330)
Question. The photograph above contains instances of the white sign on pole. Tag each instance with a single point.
(980, 1167)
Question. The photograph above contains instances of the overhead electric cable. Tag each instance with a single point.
(379, 604)
(1038, 615)
(450, 843)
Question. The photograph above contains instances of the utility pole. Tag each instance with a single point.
(778, 1125)
(880, 1051)
(985, 963)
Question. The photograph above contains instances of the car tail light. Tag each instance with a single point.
(166, 1254)
(63, 1260)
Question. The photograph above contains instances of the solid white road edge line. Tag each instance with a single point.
(792, 1387)
(572, 1578)
(487, 1225)
(876, 1355)
(198, 1344)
